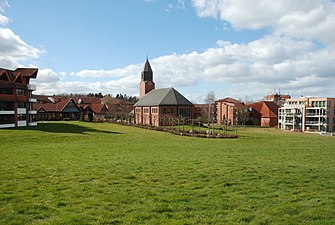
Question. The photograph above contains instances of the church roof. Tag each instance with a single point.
(163, 96)
(147, 66)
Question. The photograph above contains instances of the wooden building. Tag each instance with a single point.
(16, 98)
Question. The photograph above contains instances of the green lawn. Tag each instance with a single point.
(88, 173)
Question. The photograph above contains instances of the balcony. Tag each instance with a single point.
(31, 87)
(32, 124)
(21, 123)
(32, 112)
(21, 111)
(9, 125)
(34, 100)
(7, 112)
(315, 115)
(315, 123)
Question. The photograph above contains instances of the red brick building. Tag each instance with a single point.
(264, 113)
(147, 83)
(16, 98)
(226, 110)
(157, 106)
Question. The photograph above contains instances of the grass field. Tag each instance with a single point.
(89, 173)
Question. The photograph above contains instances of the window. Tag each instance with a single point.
(168, 110)
(184, 112)
(154, 110)
(4, 106)
(146, 110)
(21, 105)
(19, 79)
(6, 91)
(138, 110)
(3, 77)
(6, 119)
(20, 91)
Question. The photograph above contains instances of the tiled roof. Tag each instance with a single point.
(14, 74)
(97, 108)
(87, 100)
(229, 100)
(54, 107)
(270, 109)
(46, 99)
(116, 101)
(30, 72)
(164, 96)
(265, 109)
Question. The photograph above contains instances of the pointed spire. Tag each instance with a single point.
(147, 67)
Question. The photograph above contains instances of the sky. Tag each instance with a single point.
(235, 48)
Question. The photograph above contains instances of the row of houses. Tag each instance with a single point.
(80, 108)
(19, 107)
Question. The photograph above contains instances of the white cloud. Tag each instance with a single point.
(252, 69)
(13, 50)
(120, 72)
(3, 20)
(49, 82)
(47, 76)
(289, 58)
(313, 19)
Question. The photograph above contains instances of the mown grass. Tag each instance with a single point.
(86, 173)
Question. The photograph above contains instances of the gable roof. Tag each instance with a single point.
(164, 96)
(27, 72)
(270, 109)
(55, 107)
(98, 108)
(229, 100)
(264, 109)
(14, 75)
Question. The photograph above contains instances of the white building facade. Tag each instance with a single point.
(308, 115)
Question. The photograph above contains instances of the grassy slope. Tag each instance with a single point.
(103, 173)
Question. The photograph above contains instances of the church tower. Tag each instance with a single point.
(147, 84)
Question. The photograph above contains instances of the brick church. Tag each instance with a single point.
(155, 105)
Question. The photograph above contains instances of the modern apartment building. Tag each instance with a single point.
(16, 100)
(308, 114)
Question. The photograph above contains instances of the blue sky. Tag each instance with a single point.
(234, 48)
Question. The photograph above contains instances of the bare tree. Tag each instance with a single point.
(242, 115)
(210, 100)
